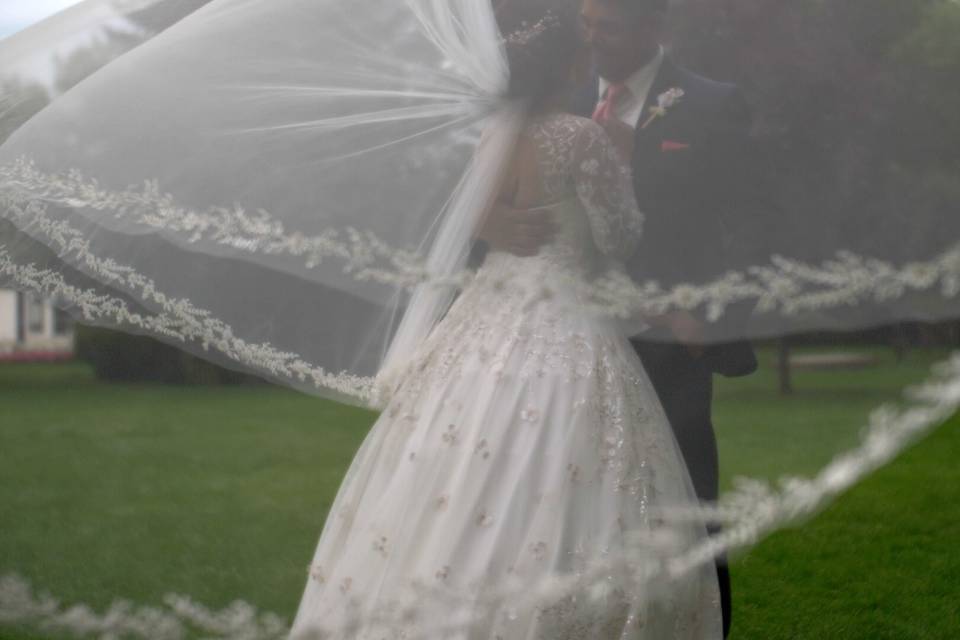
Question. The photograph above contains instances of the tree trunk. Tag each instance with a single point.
(783, 366)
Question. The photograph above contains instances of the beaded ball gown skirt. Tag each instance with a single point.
(524, 444)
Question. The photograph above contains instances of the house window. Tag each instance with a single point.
(62, 322)
(35, 314)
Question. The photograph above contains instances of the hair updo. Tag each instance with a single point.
(541, 41)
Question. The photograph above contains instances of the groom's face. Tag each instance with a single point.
(619, 40)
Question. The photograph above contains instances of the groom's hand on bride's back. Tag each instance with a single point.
(522, 232)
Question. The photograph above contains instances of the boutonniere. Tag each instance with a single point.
(665, 101)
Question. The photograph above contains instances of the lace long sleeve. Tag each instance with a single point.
(604, 184)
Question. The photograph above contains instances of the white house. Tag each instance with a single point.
(31, 328)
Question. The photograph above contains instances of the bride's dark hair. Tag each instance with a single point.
(541, 41)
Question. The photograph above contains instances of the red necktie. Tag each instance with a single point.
(604, 110)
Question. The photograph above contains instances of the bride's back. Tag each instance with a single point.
(540, 172)
(567, 165)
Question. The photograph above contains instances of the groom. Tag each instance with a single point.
(686, 176)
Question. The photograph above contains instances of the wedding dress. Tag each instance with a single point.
(523, 441)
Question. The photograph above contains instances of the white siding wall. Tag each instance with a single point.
(8, 319)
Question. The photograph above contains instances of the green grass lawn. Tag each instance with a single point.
(883, 561)
(220, 493)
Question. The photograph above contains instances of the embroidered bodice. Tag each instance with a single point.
(590, 190)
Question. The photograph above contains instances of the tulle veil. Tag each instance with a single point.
(292, 188)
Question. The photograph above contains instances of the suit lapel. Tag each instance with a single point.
(666, 79)
(649, 139)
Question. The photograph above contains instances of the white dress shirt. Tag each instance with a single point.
(629, 107)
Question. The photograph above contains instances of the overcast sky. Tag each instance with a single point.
(17, 14)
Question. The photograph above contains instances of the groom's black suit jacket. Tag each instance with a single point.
(687, 176)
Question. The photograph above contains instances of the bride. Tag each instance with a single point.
(524, 442)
